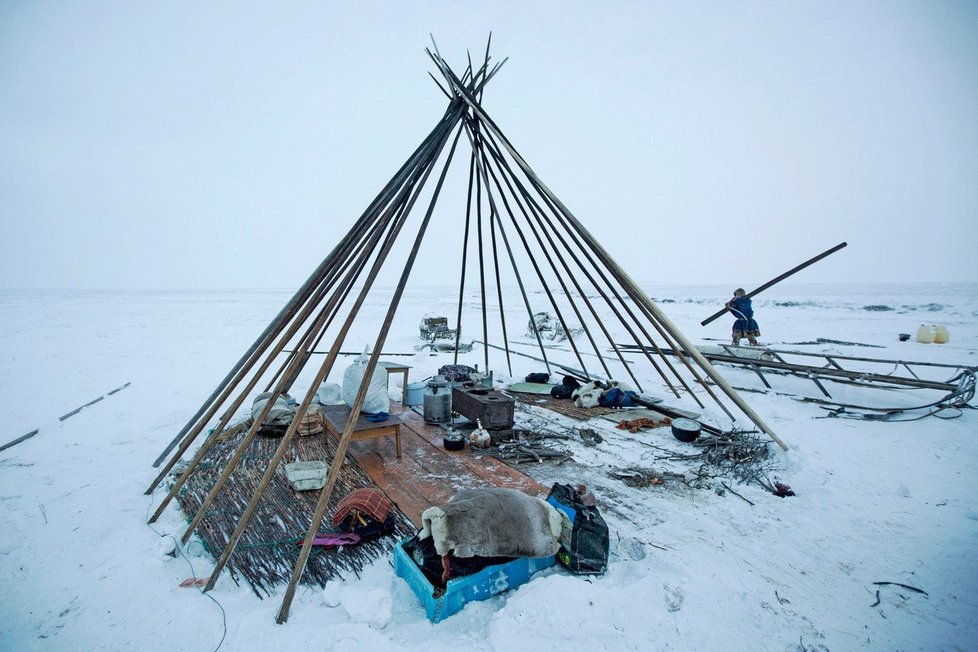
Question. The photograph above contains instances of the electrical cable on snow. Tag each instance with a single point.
(193, 574)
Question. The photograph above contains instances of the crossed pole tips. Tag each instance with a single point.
(514, 227)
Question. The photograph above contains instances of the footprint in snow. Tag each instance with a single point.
(674, 597)
(633, 549)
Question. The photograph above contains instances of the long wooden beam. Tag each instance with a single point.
(605, 282)
(483, 166)
(255, 426)
(778, 279)
(530, 208)
(283, 338)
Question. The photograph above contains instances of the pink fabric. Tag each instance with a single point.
(334, 539)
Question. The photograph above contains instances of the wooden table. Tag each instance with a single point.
(336, 416)
(397, 368)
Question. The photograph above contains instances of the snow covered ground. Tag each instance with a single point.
(691, 568)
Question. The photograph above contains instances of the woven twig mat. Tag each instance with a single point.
(267, 551)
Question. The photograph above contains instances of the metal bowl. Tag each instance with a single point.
(685, 430)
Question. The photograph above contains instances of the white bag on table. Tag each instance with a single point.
(376, 399)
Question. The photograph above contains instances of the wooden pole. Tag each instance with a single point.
(465, 255)
(778, 279)
(482, 263)
(551, 246)
(499, 292)
(494, 215)
(189, 436)
(354, 255)
(327, 365)
(296, 361)
(263, 367)
(585, 270)
(553, 268)
(255, 426)
(657, 326)
(323, 373)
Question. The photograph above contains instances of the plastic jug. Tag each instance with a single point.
(941, 335)
(925, 334)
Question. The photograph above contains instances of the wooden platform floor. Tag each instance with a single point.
(427, 474)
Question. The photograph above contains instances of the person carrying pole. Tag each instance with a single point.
(744, 326)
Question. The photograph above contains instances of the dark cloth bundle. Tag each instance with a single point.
(439, 569)
(456, 373)
(566, 388)
(616, 398)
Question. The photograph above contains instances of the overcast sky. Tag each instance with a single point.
(227, 145)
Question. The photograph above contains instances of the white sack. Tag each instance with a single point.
(376, 399)
(281, 413)
(330, 394)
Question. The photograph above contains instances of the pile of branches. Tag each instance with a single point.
(739, 454)
(530, 446)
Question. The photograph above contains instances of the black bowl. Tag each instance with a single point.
(685, 430)
(454, 442)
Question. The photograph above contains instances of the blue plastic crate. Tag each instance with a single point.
(488, 582)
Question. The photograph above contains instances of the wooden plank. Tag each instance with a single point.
(488, 468)
(394, 479)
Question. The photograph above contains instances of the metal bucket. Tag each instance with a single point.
(438, 400)
(415, 393)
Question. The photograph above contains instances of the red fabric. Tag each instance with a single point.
(367, 501)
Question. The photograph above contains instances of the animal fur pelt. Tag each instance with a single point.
(493, 522)
(588, 395)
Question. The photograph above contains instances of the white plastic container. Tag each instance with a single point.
(925, 334)
(306, 476)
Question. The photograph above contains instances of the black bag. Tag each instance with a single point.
(588, 553)
(539, 377)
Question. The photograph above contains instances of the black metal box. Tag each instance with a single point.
(490, 407)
